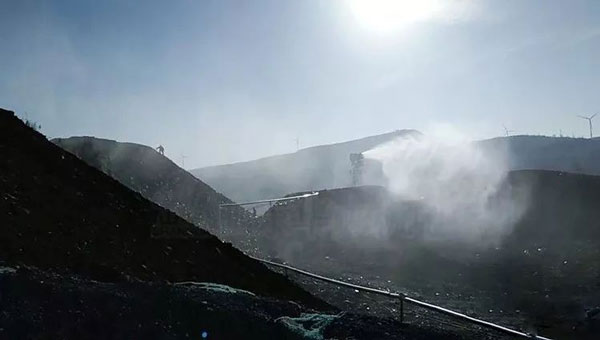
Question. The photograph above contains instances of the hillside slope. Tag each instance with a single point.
(156, 177)
(58, 212)
(328, 166)
(577, 155)
(315, 168)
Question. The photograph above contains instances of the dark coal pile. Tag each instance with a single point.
(58, 212)
(156, 177)
(37, 304)
(41, 304)
(542, 276)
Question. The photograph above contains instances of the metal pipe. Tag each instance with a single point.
(403, 297)
(270, 200)
(334, 281)
(474, 320)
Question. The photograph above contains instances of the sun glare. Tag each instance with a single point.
(391, 15)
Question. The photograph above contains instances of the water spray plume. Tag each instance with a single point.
(458, 182)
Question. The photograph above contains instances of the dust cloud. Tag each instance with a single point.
(463, 187)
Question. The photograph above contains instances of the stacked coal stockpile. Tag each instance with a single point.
(157, 178)
(543, 269)
(338, 222)
(58, 212)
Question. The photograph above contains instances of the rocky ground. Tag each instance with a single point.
(542, 277)
(483, 304)
(39, 304)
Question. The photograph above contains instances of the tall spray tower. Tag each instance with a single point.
(356, 166)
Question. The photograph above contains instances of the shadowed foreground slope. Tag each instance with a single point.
(58, 212)
(37, 304)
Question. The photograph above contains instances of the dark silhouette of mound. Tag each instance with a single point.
(543, 271)
(58, 212)
(156, 177)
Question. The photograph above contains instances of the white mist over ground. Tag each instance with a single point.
(459, 184)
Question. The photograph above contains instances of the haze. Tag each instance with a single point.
(225, 81)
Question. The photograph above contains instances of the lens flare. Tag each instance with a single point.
(392, 15)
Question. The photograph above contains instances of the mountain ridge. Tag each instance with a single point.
(314, 168)
(328, 166)
(386, 136)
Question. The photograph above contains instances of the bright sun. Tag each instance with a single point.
(391, 15)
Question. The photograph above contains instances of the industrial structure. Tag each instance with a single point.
(356, 167)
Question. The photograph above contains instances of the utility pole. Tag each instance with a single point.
(183, 157)
(297, 143)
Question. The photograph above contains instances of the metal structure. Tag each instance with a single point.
(356, 166)
(272, 200)
(403, 298)
(589, 119)
(507, 132)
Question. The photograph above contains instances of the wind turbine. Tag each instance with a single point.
(589, 119)
(507, 131)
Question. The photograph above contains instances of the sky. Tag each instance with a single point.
(226, 80)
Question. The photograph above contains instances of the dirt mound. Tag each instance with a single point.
(156, 177)
(58, 212)
(543, 272)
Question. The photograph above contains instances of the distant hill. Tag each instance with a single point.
(59, 213)
(156, 177)
(328, 166)
(577, 155)
(314, 168)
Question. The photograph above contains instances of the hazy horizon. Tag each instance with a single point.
(229, 81)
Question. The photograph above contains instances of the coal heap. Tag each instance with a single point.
(61, 214)
(156, 177)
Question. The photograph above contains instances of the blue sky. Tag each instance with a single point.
(225, 81)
